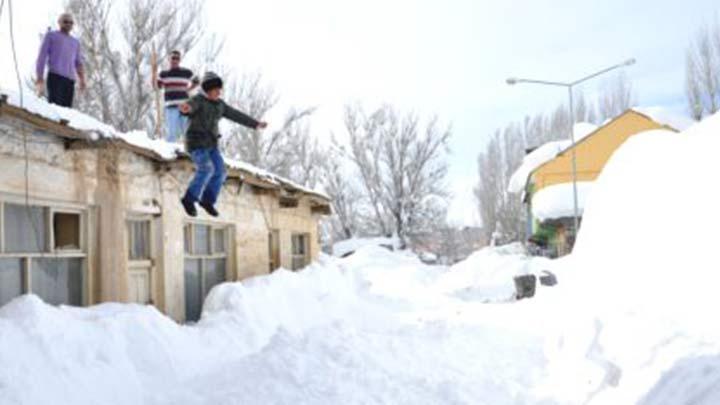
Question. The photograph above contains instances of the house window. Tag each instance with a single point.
(66, 228)
(140, 260)
(274, 249)
(300, 250)
(42, 252)
(206, 262)
(139, 239)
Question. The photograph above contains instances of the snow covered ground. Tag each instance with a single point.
(630, 322)
(377, 327)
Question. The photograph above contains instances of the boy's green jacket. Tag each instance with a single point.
(202, 131)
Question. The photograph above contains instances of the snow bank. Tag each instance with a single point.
(544, 154)
(343, 248)
(372, 328)
(487, 275)
(664, 116)
(557, 201)
(646, 277)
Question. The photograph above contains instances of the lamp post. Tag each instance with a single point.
(569, 85)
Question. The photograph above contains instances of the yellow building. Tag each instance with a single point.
(592, 152)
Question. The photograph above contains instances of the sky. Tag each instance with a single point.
(446, 58)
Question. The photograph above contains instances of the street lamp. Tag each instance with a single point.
(514, 80)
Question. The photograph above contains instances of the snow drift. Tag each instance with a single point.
(645, 276)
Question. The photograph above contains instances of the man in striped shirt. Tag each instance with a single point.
(176, 82)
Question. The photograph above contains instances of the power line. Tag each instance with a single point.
(24, 131)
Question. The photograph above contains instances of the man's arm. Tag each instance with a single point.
(194, 82)
(242, 118)
(42, 58)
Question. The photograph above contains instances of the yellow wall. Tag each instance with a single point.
(593, 152)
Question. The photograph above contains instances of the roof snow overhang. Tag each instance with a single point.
(82, 139)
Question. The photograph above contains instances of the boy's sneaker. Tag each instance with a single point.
(189, 206)
(209, 208)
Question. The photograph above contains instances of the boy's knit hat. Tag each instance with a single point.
(211, 81)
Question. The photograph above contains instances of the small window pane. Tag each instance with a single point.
(139, 243)
(25, 229)
(202, 239)
(274, 250)
(10, 279)
(193, 290)
(214, 273)
(298, 244)
(66, 229)
(57, 281)
(219, 241)
(187, 229)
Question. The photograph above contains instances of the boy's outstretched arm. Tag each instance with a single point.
(189, 107)
(242, 118)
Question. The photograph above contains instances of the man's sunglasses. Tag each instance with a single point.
(175, 58)
(68, 22)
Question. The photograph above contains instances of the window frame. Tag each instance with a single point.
(274, 241)
(305, 256)
(143, 265)
(50, 252)
(189, 252)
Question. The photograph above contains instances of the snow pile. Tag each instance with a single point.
(557, 201)
(487, 275)
(544, 154)
(647, 275)
(371, 328)
(664, 116)
(348, 246)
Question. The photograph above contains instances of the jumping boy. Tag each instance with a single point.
(201, 140)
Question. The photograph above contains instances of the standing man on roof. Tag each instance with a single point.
(177, 82)
(61, 53)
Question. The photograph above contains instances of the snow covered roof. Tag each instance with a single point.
(665, 116)
(557, 201)
(582, 130)
(159, 149)
(544, 154)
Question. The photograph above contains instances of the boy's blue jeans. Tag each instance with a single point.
(175, 124)
(209, 177)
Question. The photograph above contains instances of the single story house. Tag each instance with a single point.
(91, 215)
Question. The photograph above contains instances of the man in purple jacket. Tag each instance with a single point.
(61, 53)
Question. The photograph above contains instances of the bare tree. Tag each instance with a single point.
(289, 151)
(117, 46)
(500, 211)
(616, 97)
(402, 165)
(702, 72)
(339, 183)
